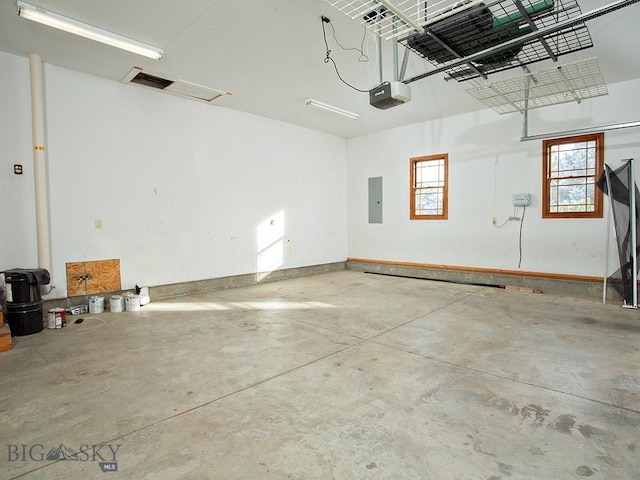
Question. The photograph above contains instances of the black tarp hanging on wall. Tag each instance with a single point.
(619, 185)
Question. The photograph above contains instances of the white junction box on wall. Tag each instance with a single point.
(521, 199)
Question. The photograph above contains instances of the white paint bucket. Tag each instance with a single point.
(132, 303)
(116, 303)
(144, 296)
(56, 318)
(96, 304)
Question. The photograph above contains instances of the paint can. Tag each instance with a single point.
(57, 318)
(96, 304)
(116, 303)
(132, 303)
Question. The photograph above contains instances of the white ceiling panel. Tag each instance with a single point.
(271, 55)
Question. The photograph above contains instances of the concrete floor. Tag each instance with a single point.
(343, 375)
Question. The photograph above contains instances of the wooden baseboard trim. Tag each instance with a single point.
(485, 271)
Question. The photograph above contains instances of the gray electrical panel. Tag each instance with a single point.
(521, 199)
(375, 200)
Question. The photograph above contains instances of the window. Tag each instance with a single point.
(571, 167)
(429, 184)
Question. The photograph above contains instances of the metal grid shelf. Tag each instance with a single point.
(378, 15)
(479, 26)
(441, 31)
(572, 82)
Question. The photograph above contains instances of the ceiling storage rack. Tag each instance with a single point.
(474, 38)
(570, 82)
(474, 27)
(471, 39)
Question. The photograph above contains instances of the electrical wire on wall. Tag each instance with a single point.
(328, 57)
(514, 218)
(524, 209)
(506, 222)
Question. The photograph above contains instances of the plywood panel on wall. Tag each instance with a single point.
(88, 278)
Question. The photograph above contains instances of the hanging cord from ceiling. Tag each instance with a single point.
(328, 58)
(363, 56)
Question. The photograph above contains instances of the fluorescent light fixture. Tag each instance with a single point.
(40, 15)
(331, 108)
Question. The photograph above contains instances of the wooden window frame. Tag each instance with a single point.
(546, 177)
(445, 189)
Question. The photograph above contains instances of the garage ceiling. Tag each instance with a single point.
(270, 55)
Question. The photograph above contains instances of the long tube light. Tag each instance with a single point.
(332, 108)
(55, 20)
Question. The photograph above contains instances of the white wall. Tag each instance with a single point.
(183, 188)
(185, 191)
(487, 164)
(17, 201)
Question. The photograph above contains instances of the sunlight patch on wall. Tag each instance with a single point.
(270, 245)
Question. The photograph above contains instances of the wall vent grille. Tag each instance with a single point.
(177, 87)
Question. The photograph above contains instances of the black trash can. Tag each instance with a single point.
(25, 318)
(23, 284)
(24, 302)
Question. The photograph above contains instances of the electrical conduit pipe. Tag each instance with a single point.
(43, 224)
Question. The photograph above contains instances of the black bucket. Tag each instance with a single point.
(24, 318)
(20, 289)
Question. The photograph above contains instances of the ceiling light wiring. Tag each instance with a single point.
(328, 58)
(363, 56)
